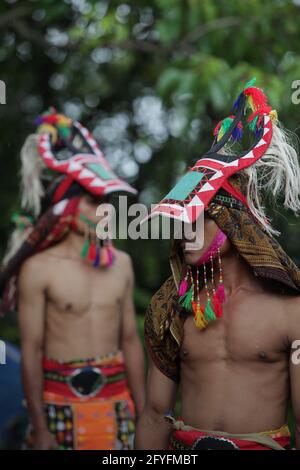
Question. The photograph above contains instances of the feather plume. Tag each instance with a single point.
(32, 189)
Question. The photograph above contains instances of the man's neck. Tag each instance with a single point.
(236, 273)
(74, 243)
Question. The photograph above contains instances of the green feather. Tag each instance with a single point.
(186, 299)
(209, 314)
(252, 124)
(64, 132)
(85, 249)
(87, 221)
(250, 83)
(226, 123)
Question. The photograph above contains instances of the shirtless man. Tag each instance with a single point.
(236, 375)
(235, 370)
(82, 359)
(68, 310)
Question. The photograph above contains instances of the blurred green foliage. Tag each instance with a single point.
(151, 79)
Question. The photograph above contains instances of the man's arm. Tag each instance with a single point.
(153, 432)
(131, 346)
(31, 307)
(294, 339)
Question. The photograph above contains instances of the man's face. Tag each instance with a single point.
(89, 204)
(210, 231)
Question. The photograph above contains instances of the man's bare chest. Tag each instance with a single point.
(77, 287)
(252, 329)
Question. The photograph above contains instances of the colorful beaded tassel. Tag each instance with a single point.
(189, 294)
(98, 252)
(199, 318)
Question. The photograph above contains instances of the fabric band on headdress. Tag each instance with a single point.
(235, 192)
(62, 189)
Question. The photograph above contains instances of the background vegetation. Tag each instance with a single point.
(150, 79)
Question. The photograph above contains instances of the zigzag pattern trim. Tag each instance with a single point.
(215, 173)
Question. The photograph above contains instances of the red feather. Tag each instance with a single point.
(217, 306)
(92, 253)
(258, 97)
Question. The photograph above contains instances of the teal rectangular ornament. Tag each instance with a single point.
(184, 186)
(100, 171)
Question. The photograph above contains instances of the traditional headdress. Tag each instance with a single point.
(60, 162)
(229, 186)
(66, 147)
(270, 152)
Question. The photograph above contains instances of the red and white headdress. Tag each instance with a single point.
(70, 151)
(271, 152)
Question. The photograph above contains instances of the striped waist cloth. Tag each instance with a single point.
(99, 377)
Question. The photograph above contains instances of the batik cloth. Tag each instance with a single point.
(261, 251)
(88, 404)
(185, 437)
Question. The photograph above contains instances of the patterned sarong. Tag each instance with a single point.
(88, 404)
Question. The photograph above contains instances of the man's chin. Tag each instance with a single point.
(190, 257)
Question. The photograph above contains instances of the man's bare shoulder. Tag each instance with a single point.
(123, 258)
(292, 312)
(294, 305)
(37, 266)
(32, 272)
(33, 263)
(124, 263)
